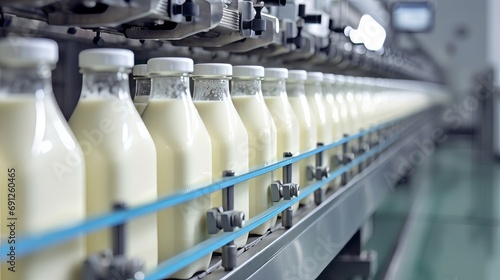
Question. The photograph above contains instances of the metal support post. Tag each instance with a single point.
(226, 218)
(287, 214)
(347, 158)
(229, 251)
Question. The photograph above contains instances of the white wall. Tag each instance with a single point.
(461, 56)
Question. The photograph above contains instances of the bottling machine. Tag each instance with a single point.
(350, 38)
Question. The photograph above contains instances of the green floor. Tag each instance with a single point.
(453, 231)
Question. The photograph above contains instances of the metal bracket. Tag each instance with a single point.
(251, 24)
(188, 10)
(319, 172)
(286, 190)
(210, 15)
(363, 147)
(226, 218)
(114, 265)
(106, 266)
(218, 219)
(298, 41)
(267, 37)
(347, 158)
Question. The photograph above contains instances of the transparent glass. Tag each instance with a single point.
(37, 81)
(170, 87)
(313, 87)
(213, 88)
(142, 86)
(327, 88)
(105, 85)
(242, 87)
(184, 162)
(228, 135)
(273, 87)
(40, 151)
(295, 88)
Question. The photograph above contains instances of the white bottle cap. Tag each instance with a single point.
(140, 70)
(170, 65)
(300, 75)
(16, 51)
(350, 80)
(329, 78)
(275, 73)
(106, 59)
(213, 69)
(359, 80)
(315, 76)
(370, 81)
(248, 71)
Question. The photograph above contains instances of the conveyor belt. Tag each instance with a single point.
(319, 234)
(337, 218)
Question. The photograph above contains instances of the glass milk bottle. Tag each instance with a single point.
(287, 125)
(142, 87)
(349, 92)
(246, 94)
(119, 152)
(42, 168)
(345, 121)
(368, 104)
(227, 132)
(337, 133)
(360, 89)
(320, 112)
(307, 124)
(184, 156)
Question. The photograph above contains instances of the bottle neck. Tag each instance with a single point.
(273, 87)
(339, 88)
(170, 87)
(295, 88)
(214, 89)
(327, 88)
(242, 87)
(27, 81)
(105, 85)
(313, 88)
(142, 86)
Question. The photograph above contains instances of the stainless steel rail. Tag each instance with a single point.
(319, 233)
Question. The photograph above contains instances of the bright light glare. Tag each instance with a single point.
(412, 19)
(369, 33)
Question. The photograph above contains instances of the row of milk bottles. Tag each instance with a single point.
(107, 157)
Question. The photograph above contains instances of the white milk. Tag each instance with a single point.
(288, 131)
(121, 168)
(140, 103)
(229, 150)
(39, 149)
(337, 132)
(307, 126)
(345, 121)
(343, 107)
(352, 107)
(227, 132)
(356, 123)
(262, 140)
(184, 157)
(322, 117)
